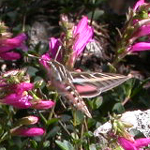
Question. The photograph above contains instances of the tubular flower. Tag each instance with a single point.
(140, 46)
(142, 31)
(82, 34)
(44, 59)
(21, 87)
(28, 120)
(54, 45)
(18, 101)
(43, 104)
(27, 132)
(6, 45)
(133, 145)
(74, 41)
(138, 25)
(138, 4)
(18, 96)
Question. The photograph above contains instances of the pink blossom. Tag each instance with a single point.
(83, 34)
(80, 36)
(142, 31)
(54, 45)
(140, 46)
(10, 55)
(9, 44)
(138, 4)
(44, 59)
(135, 145)
(17, 95)
(28, 132)
(43, 104)
(18, 101)
(21, 87)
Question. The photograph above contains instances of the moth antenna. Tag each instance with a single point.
(33, 56)
(56, 56)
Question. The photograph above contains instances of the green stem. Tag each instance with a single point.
(53, 108)
(75, 124)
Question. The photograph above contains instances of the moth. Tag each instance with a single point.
(74, 86)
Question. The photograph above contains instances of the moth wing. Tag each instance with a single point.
(93, 84)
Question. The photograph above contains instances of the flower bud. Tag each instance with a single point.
(20, 131)
(28, 120)
(42, 104)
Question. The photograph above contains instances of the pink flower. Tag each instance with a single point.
(135, 145)
(10, 55)
(140, 46)
(138, 4)
(44, 59)
(18, 101)
(83, 34)
(80, 36)
(142, 31)
(21, 87)
(17, 96)
(43, 104)
(9, 44)
(27, 132)
(54, 45)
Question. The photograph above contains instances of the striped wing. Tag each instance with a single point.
(92, 84)
(61, 79)
(73, 86)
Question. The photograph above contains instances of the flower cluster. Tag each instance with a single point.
(135, 144)
(16, 90)
(137, 26)
(21, 130)
(8, 44)
(71, 44)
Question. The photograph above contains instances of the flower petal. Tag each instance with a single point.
(126, 144)
(142, 142)
(140, 46)
(12, 43)
(54, 45)
(10, 56)
(18, 101)
(138, 4)
(43, 104)
(28, 132)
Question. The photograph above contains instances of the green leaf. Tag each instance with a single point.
(88, 134)
(79, 117)
(98, 102)
(52, 121)
(65, 118)
(65, 145)
(118, 108)
(34, 144)
(53, 132)
(2, 148)
(46, 144)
